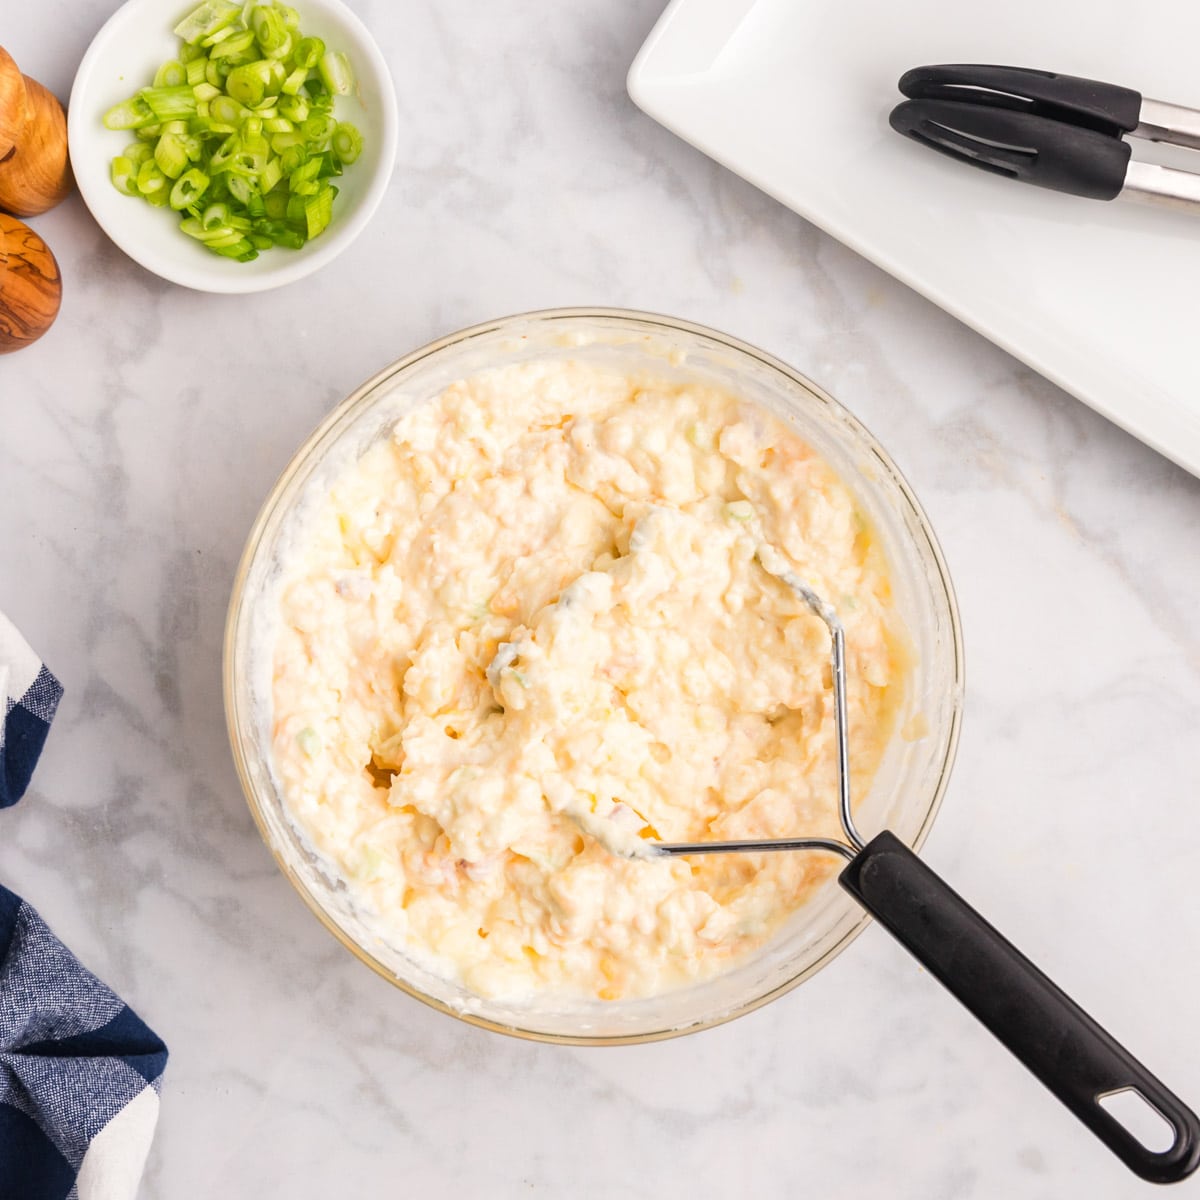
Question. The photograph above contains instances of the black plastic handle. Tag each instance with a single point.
(1076, 1059)
(1104, 107)
(1021, 145)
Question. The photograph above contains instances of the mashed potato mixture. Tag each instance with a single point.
(531, 626)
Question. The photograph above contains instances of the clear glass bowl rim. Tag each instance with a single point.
(345, 413)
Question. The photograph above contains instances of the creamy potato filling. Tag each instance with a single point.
(531, 626)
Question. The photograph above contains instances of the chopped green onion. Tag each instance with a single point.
(292, 157)
(346, 142)
(138, 152)
(215, 216)
(172, 74)
(249, 160)
(306, 171)
(283, 235)
(336, 73)
(124, 175)
(189, 187)
(236, 133)
(293, 108)
(232, 47)
(221, 158)
(270, 29)
(171, 156)
(242, 250)
(270, 175)
(281, 143)
(248, 83)
(318, 210)
(167, 103)
(221, 239)
(309, 51)
(206, 125)
(318, 128)
(295, 81)
(276, 204)
(134, 113)
(241, 189)
(207, 19)
(150, 178)
(226, 110)
(309, 741)
(218, 36)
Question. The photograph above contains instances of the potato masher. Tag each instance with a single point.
(1064, 1047)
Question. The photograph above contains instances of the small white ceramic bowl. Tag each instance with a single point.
(135, 41)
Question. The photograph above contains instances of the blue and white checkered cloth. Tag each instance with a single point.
(79, 1071)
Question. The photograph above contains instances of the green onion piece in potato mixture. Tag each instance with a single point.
(237, 134)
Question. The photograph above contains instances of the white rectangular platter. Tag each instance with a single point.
(1102, 298)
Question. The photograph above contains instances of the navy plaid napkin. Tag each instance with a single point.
(79, 1072)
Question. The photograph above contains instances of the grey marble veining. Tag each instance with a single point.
(137, 441)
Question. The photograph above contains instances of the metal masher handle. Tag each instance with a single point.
(1064, 1047)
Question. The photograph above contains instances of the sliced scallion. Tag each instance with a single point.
(207, 19)
(138, 152)
(318, 209)
(237, 132)
(124, 175)
(167, 103)
(133, 113)
(171, 74)
(295, 81)
(336, 72)
(346, 142)
(188, 188)
(309, 51)
(171, 156)
(150, 178)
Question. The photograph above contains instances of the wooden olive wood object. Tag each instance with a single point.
(34, 172)
(30, 285)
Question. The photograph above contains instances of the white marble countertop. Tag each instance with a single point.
(137, 441)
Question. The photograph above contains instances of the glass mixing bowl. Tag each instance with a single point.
(912, 776)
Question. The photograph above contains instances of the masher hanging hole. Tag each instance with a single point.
(1139, 1118)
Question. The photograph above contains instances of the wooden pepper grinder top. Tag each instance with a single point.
(34, 172)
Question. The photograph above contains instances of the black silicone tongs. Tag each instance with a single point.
(1055, 131)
